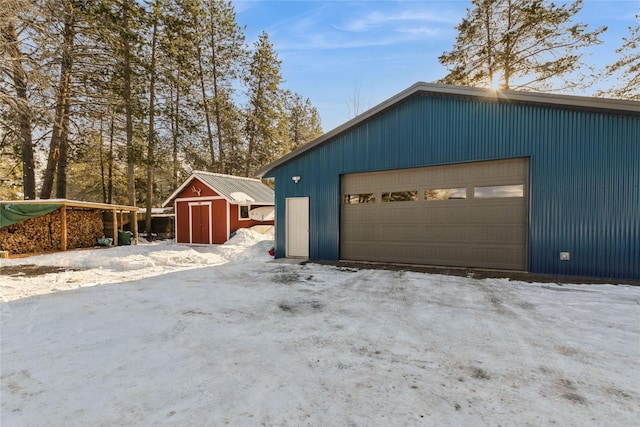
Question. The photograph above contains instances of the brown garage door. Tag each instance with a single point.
(466, 215)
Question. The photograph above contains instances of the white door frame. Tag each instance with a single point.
(210, 206)
(297, 227)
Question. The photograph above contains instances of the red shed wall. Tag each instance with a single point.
(220, 221)
(182, 222)
(188, 192)
(236, 223)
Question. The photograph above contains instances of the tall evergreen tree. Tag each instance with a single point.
(221, 56)
(226, 57)
(122, 77)
(264, 112)
(66, 14)
(519, 44)
(17, 111)
(182, 20)
(156, 10)
(127, 40)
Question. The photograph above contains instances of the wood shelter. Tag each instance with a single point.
(50, 205)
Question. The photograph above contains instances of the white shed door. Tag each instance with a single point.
(297, 218)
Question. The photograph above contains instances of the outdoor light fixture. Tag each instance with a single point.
(295, 179)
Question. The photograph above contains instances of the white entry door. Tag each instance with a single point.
(297, 218)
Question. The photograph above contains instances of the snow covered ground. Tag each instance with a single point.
(161, 334)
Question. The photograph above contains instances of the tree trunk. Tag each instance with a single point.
(175, 129)
(61, 176)
(61, 120)
(488, 26)
(216, 98)
(152, 131)
(128, 106)
(506, 60)
(23, 112)
(207, 114)
(110, 158)
(252, 129)
(102, 165)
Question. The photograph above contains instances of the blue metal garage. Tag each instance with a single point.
(458, 176)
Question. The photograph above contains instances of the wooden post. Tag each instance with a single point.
(135, 228)
(115, 227)
(63, 228)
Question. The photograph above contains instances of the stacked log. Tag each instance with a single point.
(43, 234)
(27, 236)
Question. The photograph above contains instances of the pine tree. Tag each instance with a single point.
(17, 109)
(65, 13)
(264, 113)
(303, 120)
(121, 78)
(519, 44)
(156, 10)
(92, 82)
(626, 70)
(182, 33)
(221, 56)
(227, 58)
(127, 39)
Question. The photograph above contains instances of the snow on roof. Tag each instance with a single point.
(241, 196)
(236, 189)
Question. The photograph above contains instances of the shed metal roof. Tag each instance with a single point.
(606, 105)
(235, 189)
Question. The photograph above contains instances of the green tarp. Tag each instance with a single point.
(12, 213)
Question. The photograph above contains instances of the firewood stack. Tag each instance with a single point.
(43, 234)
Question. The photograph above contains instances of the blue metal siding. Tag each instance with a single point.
(584, 175)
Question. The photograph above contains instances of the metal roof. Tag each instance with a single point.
(235, 189)
(606, 105)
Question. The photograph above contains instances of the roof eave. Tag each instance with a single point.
(336, 131)
(615, 106)
(194, 175)
(178, 191)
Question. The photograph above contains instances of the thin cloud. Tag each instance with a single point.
(342, 26)
(243, 5)
(421, 32)
(376, 29)
(377, 19)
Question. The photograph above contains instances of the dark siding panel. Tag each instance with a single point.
(584, 175)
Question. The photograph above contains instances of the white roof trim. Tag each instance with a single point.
(179, 190)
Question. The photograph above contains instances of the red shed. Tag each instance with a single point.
(209, 207)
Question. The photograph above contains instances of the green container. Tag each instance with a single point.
(124, 238)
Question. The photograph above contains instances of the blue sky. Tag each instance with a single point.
(334, 52)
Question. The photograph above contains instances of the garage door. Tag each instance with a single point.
(466, 215)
